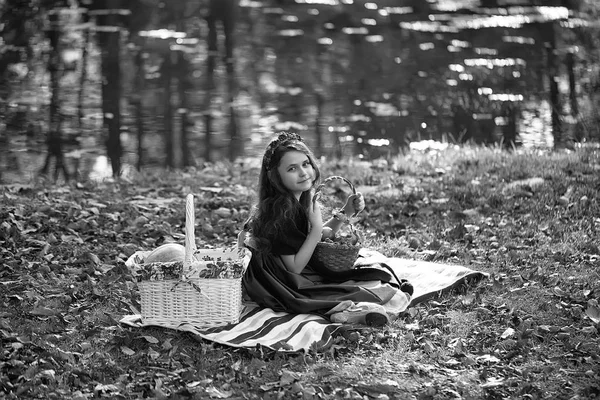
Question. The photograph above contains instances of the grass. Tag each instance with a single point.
(529, 331)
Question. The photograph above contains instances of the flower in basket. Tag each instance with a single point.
(158, 271)
(206, 263)
(220, 263)
(224, 269)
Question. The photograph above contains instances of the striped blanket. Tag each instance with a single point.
(296, 332)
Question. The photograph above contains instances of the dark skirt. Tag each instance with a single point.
(268, 283)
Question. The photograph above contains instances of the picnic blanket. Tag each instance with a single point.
(297, 332)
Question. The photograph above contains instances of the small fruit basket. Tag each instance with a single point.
(205, 289)
(338, 253)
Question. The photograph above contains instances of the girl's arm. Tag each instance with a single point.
(297, 262)
(354, 204)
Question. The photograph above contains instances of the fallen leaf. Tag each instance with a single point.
(468, 299)
(223, 212)
(377, 388)
(105, 388)
(48, 374)
(150, 339)
(288, 377)
(428, 347)
(269, 386)
(93, 258)
(587, 346)
(167, 344)
(487, 358)
(507, 333)
(472, 214)
(43, 311)
(493, 382)
(153, 354)
(593, 313)
(559, 292)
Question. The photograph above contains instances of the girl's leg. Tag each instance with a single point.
(363, 313)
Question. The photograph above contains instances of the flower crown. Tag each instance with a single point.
(282, 138)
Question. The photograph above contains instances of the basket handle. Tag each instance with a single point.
(190, 239)
(332, 178)
(190, 246)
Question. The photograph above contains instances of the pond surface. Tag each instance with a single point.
(379, 88)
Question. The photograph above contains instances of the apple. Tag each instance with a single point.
(327, 233)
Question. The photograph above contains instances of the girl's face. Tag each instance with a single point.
(296, 172)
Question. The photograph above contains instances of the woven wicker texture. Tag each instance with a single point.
(204, 302)
(335, 256)
(174, 302)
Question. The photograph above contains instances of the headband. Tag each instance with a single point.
(283, 138)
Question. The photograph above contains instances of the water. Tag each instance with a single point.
(378, 91)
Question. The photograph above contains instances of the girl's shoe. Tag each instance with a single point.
(376, 319)
(363, 313)
(407, 287)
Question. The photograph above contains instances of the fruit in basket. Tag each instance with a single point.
(168, 252)
(327, 233)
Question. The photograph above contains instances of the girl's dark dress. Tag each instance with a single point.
(270, 284)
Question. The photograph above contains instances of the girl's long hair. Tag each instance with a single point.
(277, 207)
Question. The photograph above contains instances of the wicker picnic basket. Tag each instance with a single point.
(331, 256)
(205, 289)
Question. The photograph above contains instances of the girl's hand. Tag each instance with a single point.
(240, 239)
(354, 204)
(314, 216)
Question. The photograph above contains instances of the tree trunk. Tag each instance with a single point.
(210, 79)
(572, 84)
(110, 44)
(54, 139)
(207, 142)
(235, 147)
(112, 72)
(510, 129)
(166, 73)
(227, 14)
(552, 70)
(183, 85)
(138, 103)
(256, 55)
(320, 100)
(83, 76)
(555, 106)
(223, 11)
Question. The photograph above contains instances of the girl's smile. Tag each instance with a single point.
(296, 172)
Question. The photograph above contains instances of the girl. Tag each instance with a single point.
(282, 233)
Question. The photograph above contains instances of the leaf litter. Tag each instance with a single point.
(64, 286)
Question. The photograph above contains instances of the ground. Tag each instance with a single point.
(529, 219)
